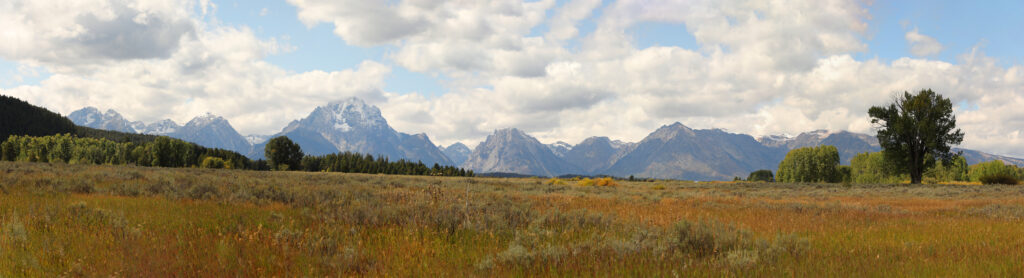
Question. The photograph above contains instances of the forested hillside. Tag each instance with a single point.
(18, 117)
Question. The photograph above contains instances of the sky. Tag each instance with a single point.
(559, 70)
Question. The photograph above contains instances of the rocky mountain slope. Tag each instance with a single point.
(513, 151)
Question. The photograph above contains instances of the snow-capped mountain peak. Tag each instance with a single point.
(112, 114)
(352, 113)
(163, 127)
(206, 119)
(353, 125)
(88, 115)
(110, 120)
(255, 139)
(560, 148)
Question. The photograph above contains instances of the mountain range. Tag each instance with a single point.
(347, 125)
(207, 130)
(672, 151)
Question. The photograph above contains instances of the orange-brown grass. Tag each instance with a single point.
(74, 220)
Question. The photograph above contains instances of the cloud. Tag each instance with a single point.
(215, 68)
(464, 39)
(759, 67)
(921, 45)
(69, 35)
(562, 26)
(366, 23)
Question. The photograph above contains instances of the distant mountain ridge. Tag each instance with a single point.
(208, 130)
(513, 151)
(672, 152)
(848, 143)
(679, 152)
(596, 154)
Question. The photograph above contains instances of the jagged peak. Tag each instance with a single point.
(510, 132)
(596, 140)
(88, 109)
(819, 133)
(667, 132)
(353, 104)
(205, 119)
(165, 122)
(349, 113)
(456, 146)
(349, 101)
(562, 144)
(618, 144)
(112, 114)
(677, 125)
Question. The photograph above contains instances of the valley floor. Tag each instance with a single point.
(71, 220)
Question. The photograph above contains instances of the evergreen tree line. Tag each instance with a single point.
(162, 151)
(283, 155)
(18, 117)
(349, 162)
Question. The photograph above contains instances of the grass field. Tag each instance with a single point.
(77, 220)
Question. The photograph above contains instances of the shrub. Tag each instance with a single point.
(124, 189)
(585, 182)
(873, 168)
(995, 171)
(203, 191)
(761, 175)
(16, 233)
(79, 186)
(555, 181)
(998, 178)
(707, 238)
(606, 181)
(213, 162)
(742, 258)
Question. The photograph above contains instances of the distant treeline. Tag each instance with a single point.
(821, 164)
(164, 151)
(115, 136)
(161, 151)
(349, 162)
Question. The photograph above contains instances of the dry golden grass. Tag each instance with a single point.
(75, 220)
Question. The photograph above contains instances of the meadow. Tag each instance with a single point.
(83, 220)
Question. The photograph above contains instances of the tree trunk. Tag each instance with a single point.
(916, 167)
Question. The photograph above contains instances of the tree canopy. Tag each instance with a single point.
(913, 126)
(283, 154)
(811, 164)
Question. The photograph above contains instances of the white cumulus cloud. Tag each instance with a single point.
(922, 45)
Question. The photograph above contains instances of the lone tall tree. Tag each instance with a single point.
(283, 154)
(914, 126)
